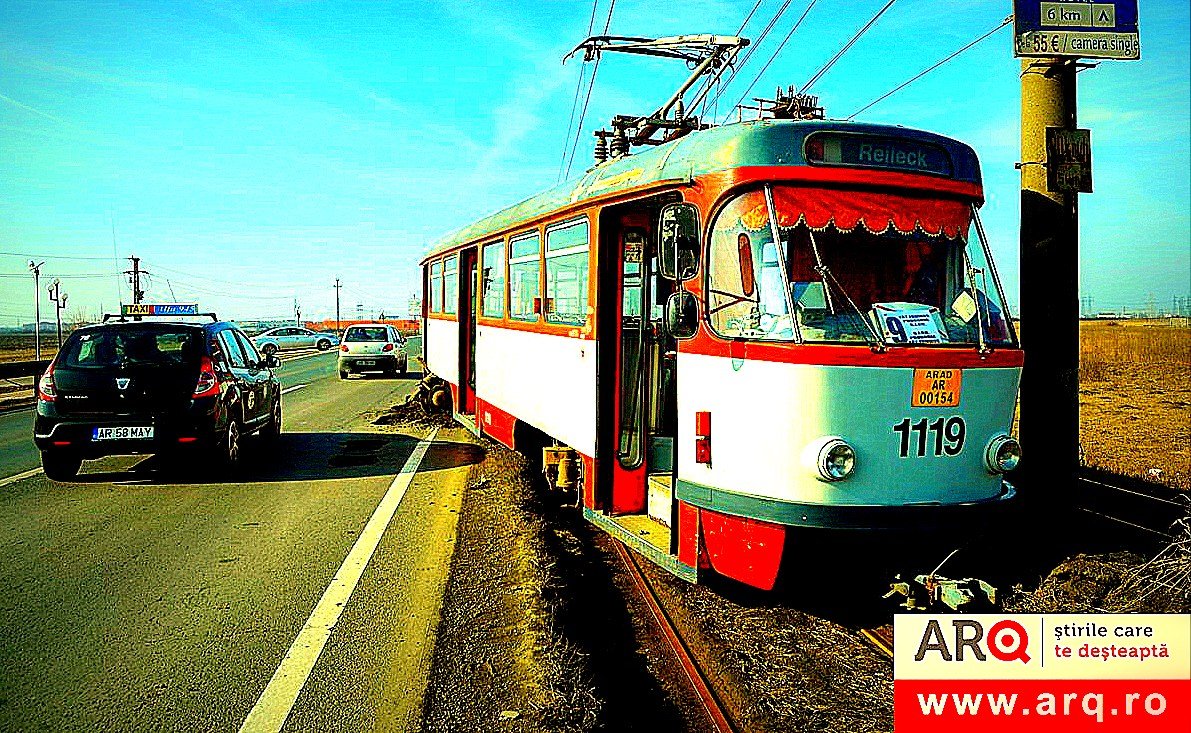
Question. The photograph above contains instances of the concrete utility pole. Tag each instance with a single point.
(35, 268)
(59, 299)
(1049, 427)
(337, 289)
(135, 278)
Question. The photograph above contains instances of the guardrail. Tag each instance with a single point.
(11, 369)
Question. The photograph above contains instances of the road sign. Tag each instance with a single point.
(1104, 29)
(1068, 160)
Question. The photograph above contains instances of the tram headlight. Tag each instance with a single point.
(832, 459)
(1002, 454)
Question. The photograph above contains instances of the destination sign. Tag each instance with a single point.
(1104, 29)
(159, 309)
(876, 151)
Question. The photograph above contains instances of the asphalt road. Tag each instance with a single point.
(150, 597)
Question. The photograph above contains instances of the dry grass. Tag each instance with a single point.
(1134, 398)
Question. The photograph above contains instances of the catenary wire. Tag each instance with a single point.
(826, 67)
(591, 85)
(926, 71)
(777, 51)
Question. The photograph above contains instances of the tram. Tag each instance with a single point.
(740, 333)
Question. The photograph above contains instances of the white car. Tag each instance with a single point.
(372, 347)
(292, 337)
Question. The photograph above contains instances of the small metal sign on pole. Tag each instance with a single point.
(1105, 29)
(1068, 160)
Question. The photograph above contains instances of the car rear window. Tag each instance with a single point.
(367, 334)
(132, 347)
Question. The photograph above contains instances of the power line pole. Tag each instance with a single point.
(59, 299)
(135, 274)
(1049, 427)
(36, 269)
(338, 287)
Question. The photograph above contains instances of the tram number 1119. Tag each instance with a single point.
(947, 433)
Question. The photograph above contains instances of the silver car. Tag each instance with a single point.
(292, 337)
(372, 347)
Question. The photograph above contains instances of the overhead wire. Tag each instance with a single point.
(773, 56)
(751, 50)
(587, 100)
(929, 69)
(53, 257)
(575, 102)
(826, 67)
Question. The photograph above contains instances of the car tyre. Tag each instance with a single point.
(323, 345)
(269, 349)
(231, 451)
(60, 465)
(404, 367)
(272, 429)
(342, 374)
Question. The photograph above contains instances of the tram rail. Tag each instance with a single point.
(713, 705)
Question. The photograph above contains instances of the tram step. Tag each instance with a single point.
(661, 496)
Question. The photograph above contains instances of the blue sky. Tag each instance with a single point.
(251, 153)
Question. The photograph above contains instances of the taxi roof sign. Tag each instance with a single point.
(159, 309)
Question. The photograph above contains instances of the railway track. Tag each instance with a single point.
(715, 710)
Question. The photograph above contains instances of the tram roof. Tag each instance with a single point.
(751, 143)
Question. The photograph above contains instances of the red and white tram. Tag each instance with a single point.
(751, 329)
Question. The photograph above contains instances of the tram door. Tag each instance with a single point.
(468, 313)
(645, 388)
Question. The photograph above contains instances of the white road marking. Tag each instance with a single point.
(307, 356)
(294, 388)
(19, 477)
(276, 702)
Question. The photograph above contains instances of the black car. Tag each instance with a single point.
(130, 387)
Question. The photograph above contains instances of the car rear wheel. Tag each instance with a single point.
(269, 349)
(323, 345)
(342, 374)
(60, 465)
(231, 453)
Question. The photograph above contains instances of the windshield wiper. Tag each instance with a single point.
(875, 340)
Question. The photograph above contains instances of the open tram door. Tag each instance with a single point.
(468, 313)
(637, 385)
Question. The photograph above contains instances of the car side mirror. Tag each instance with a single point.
(272, 361)
(678, 251)
(681, 315)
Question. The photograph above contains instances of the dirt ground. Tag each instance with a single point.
(1135, 399)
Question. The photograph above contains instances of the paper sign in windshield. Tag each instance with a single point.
(910, 323)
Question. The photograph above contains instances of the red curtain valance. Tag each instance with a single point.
(877, 212)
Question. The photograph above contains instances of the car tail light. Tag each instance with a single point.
(388, 347)
(343, 348)
(208, 382)
(45, 386)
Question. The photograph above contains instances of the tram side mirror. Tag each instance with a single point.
(679, 241)
(682, 315)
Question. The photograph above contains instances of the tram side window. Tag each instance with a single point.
(450, 284)
(436, 287)
(566, 273)
(494, 280)
(525, 284)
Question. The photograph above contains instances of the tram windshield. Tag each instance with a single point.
(853, 267)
